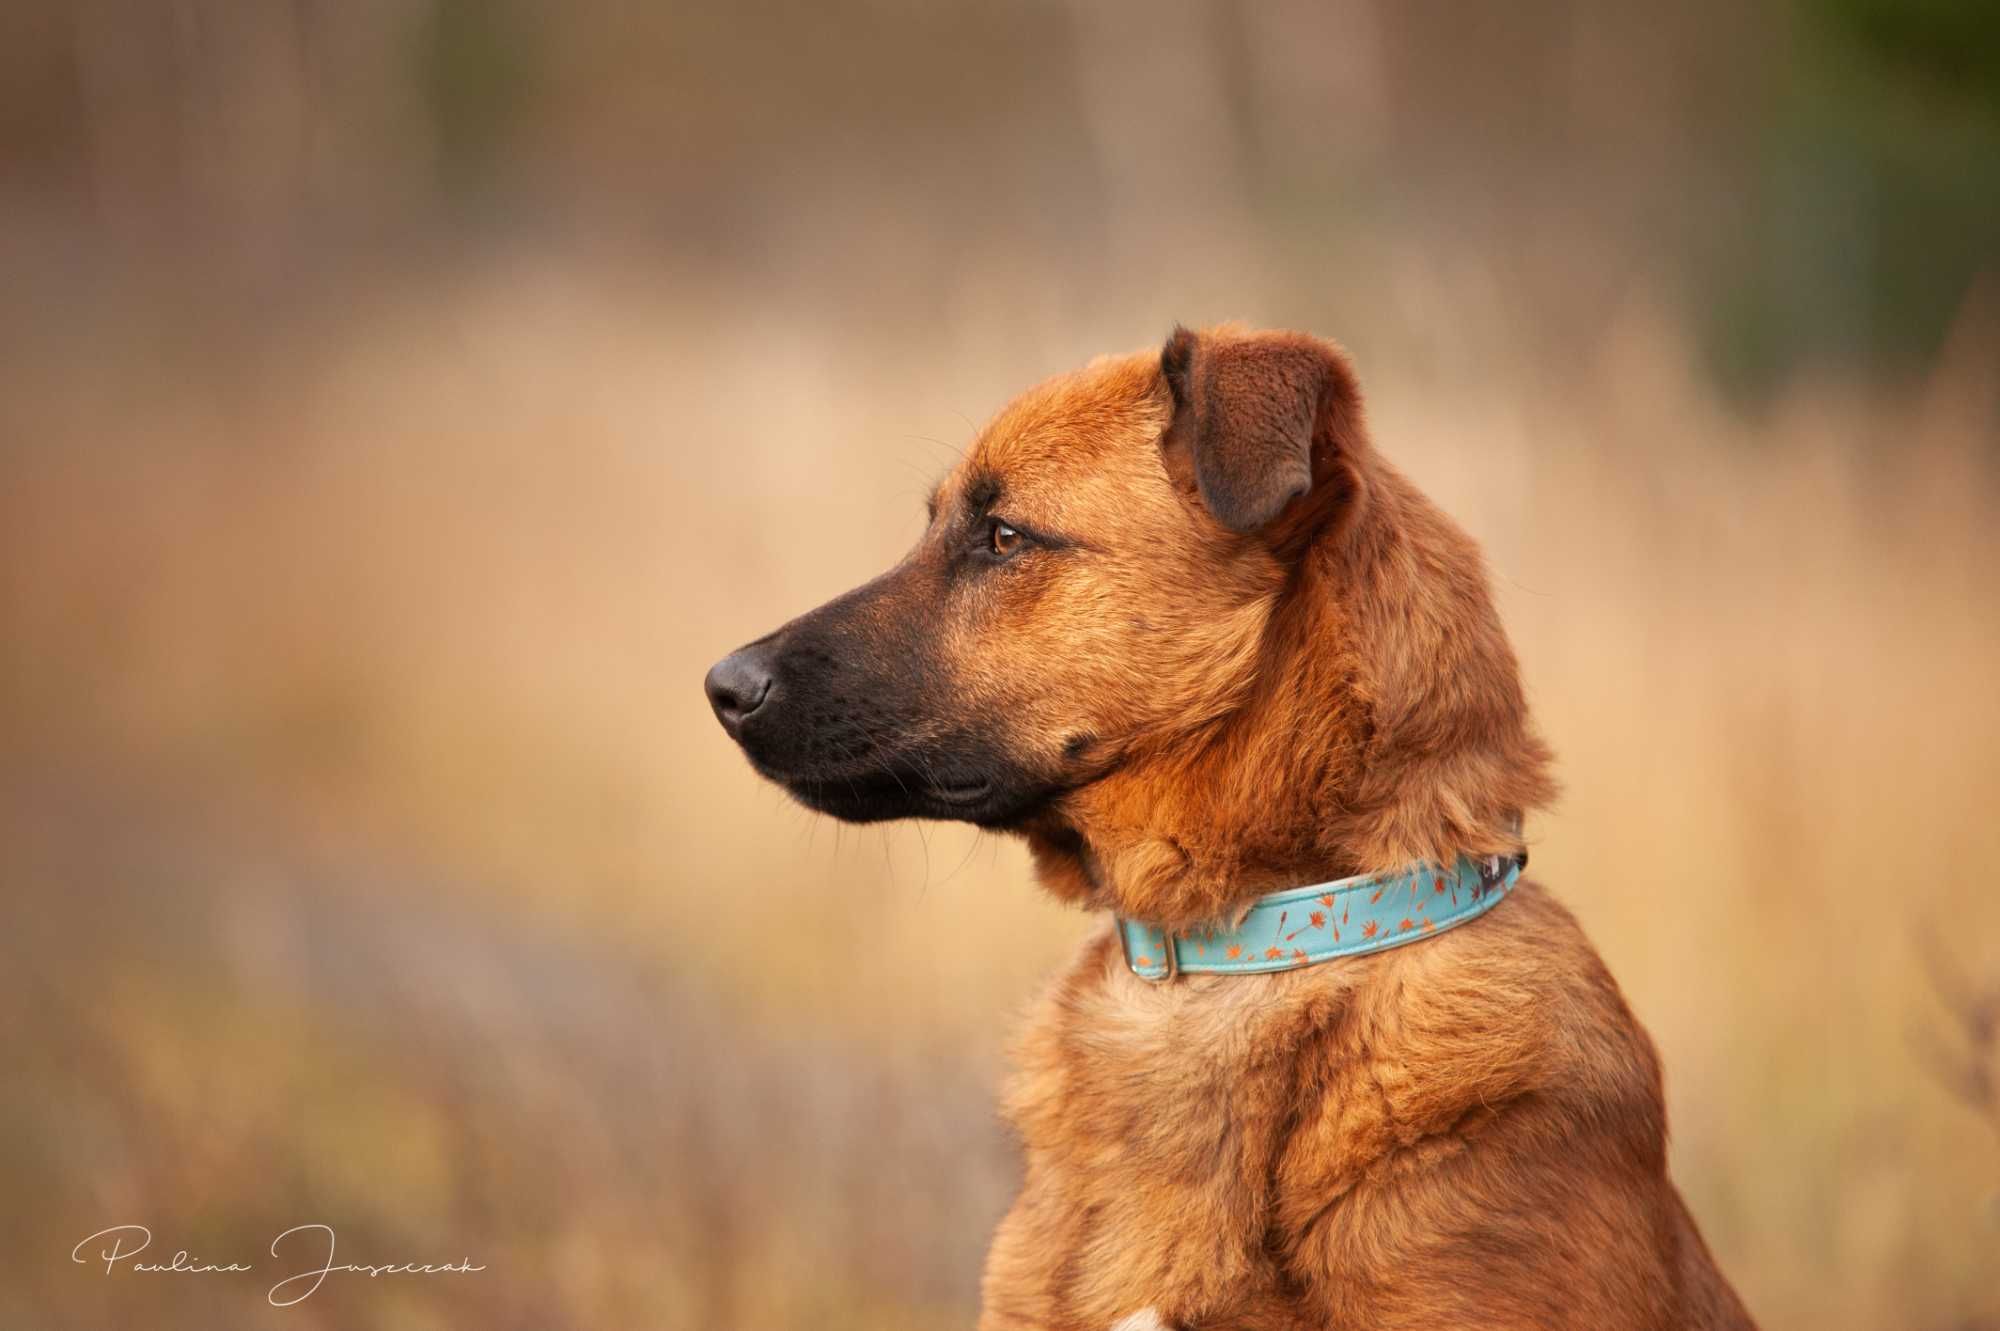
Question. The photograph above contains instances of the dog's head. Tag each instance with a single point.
(1096, 574)
(1172, 618)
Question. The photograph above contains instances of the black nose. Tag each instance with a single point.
(737, 685)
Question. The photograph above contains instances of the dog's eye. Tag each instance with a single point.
(1002, 540)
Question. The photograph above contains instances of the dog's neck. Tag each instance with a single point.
(1386, 724)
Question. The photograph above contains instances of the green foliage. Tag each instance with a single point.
(1873, 202)
(474, 69)
(1953, 46)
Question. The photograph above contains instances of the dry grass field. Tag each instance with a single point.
(402, 403)
(371, 857)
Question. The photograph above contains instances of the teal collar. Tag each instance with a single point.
(1303, 925)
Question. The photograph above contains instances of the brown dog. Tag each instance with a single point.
(1176, 623)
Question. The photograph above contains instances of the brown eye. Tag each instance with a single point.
(1003, 540)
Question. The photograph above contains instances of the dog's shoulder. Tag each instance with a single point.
(1490, 1088)
(1504, 1039)
(1519, 1003)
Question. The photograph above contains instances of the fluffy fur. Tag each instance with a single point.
(1466, 1132)
(1240, 652)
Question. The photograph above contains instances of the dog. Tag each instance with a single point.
(1177, 624)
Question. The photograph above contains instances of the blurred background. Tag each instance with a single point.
(403, 401)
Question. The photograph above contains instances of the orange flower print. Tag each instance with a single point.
(1235, 951)
(1428, 926)
(1273, 953)
(1407, 924)
(1316, 920)
(1298, 956)
(1326, 900)
(1368, 929)
(1142, 961)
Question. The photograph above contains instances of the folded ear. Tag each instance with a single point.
(1259, 416)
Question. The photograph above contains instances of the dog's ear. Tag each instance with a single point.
(1256, 417)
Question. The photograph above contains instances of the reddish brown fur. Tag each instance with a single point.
(1466, 1131)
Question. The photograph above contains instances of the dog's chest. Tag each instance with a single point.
(1153, 1119)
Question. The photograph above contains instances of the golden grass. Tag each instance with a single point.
(386, 868)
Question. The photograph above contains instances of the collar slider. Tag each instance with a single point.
(1145, 966)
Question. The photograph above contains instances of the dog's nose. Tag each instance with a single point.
(737, 685)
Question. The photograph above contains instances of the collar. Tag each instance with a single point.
(1301, 926)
